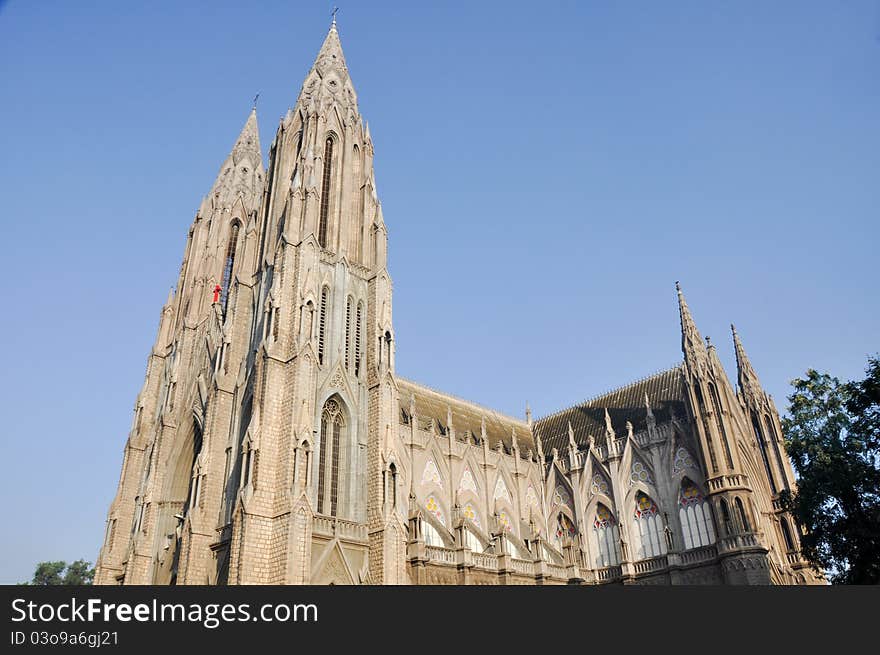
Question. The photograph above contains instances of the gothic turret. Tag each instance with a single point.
(721, 428)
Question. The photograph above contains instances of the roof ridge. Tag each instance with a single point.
(603, 394)
(470, 403)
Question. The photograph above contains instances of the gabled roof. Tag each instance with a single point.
(665, 391)
(466, 416)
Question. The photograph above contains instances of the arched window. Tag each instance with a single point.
(772, 437)
(719, 420)
(325, 191)
(388, 348)
(322, 324)
(743, 518)
(332, 434)
(786, 535)
(472, 542)
(307, 321)
(607, 538)
(432, 537)
(356, 199)
(348, 333)
(564, 529)
(701, 406)
(649, 527)
(762, 444)
(228, 265)
(392, 470)
(357, 339)
(695, 516)
(725, 518)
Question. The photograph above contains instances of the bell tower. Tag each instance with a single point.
(320, 436)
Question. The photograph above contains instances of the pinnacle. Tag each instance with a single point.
(691, 341)
(745, 372)
(328, 75)
(248, 142)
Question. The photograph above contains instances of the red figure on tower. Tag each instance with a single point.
(217, 291)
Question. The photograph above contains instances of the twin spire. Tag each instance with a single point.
(695, 352)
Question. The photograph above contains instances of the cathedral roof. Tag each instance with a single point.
(665, 391)
(466, 416)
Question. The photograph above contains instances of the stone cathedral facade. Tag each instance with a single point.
(272, 441)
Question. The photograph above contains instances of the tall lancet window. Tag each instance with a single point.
(606, 538)
(356, 211)
(763, 447)
(695, 515)
(348, 333)
(325, 191)
(719, 420)
(649, 526)
(357, 339)
(322, 325)
(228, 265)
(332, 435)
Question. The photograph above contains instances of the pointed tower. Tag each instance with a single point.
(763, 418)
(162, 520)
(721, 430)
(323, 344)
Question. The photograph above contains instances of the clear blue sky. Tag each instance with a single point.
(547, 171)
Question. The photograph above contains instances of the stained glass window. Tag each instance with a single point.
(501, 489)
(432, 537)
(431, 474)
(470, 513)
(695, 516)
(649, 528)
(433, 507)
(562, 497)
(325, 192)
(564, 528)
(332, 435)
(606, 538)
(467, 482)
(599, 485)
(531, 496)
(472, 542)
(504, 522)
(682, 461)
(640, 472)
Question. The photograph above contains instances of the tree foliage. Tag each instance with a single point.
(832, 433)
(79, 572)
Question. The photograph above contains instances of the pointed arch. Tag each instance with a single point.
(606, 538)
(229, 263)
(649, 528)
(348, 304)
(743, 517)
(358, 338)
(357, 210)
(323, 310)
(333, 437)
(326, 186)
(695, 516)
(719, 421)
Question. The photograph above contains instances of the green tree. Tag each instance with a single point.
(832, 433)
(79, 572)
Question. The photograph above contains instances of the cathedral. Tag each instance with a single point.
(273, 443)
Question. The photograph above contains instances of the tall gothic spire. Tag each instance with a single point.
(241, 174)
(691, 342)
(248, 143)
(749, 384)
(328, 79)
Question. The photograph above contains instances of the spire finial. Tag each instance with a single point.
(333, 14)
(256, 97)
